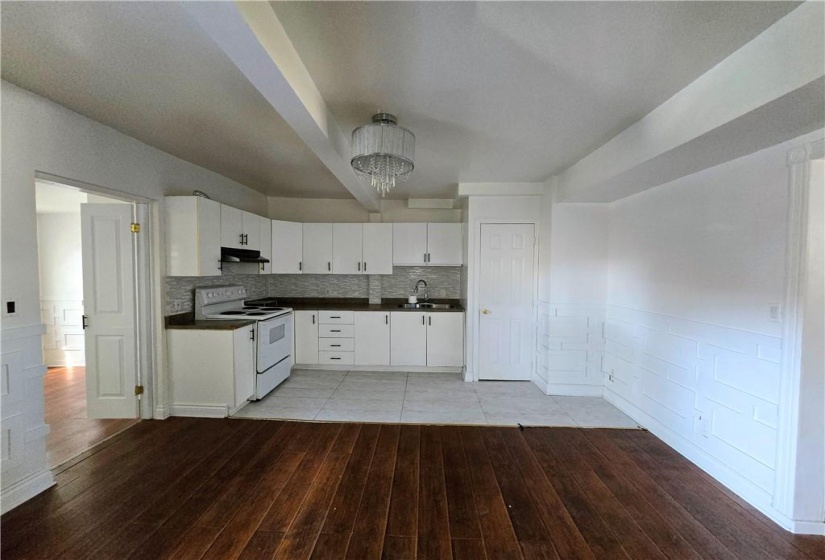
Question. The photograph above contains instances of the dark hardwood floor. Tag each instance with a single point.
(197, 488)
(70, 431)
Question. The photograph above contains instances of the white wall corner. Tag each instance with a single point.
(25, 490)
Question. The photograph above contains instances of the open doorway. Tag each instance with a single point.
(85, 269)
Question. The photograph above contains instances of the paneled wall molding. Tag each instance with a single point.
(790, 389)
(570, 349)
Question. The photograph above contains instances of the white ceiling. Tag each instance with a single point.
(494, 91)
(149, 71)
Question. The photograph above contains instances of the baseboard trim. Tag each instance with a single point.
(567, 390)
(741, 486)
(414, 369)
(199, 411)
(25, 490)
(162, 412)
(808, 528)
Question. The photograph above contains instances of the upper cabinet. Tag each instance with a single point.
(287, 247)
(193, 236)
(426, 244)
(347, 248)
(239, 229)
(317, 249)
(377, 249)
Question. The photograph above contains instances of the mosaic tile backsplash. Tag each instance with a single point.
(442, 282)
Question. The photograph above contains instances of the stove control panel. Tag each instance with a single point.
(219, 294)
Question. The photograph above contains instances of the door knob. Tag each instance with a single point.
(485, 311)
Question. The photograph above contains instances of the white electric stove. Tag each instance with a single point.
(273, 333)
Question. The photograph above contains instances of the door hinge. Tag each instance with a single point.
(138, 389)
(135, 228)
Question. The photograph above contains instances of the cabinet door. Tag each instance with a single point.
(317, 249)
(377, 249)
(372, 338)
(231, 227)
(409, 244)
(445, 339)
(287, 247)
(244, 364)
(444, 244)
(347, 240)
(408, 338)
(209, 237)
(306, 337)
(265, 240)
(252, 231)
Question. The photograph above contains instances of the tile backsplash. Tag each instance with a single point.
(442, 282)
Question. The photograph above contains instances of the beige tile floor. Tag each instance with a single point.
(427, 398)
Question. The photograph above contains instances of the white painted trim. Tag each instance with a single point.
(199, 410)
(791, 354)
(752, 494)
(429, 203)
(162, 412)
(38, 432)
(565, 390)
(26, 489)
(501, 189)
(16, 333)
(808, 528)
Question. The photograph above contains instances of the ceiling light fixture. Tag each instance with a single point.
(383, 152)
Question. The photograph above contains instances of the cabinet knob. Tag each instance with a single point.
(485, 311)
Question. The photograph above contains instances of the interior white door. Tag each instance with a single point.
(109, 306)
(505, 299)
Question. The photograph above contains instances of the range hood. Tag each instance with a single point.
(230, 254)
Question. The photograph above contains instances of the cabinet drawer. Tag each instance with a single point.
(336, 317)
(335, 331)
(336, 344)
(335, 358)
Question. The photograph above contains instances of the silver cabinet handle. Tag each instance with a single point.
(329, 266)
(335, 345)
(300, 266)
(430, 321)
(359, 266)
(386, 319)
(423, 320)
(313, 318)
(365, 266)
(335, 330)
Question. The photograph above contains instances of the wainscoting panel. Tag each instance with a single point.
(713, 387)
(570, 349)
(64, 343)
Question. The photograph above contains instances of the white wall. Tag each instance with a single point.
(38, 135)
(694, 266)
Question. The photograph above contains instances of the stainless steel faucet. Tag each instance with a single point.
(417, 284)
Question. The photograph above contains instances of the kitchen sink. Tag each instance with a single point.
(427, 306)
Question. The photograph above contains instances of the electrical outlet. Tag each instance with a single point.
(442, 292)
(611, 375)
(775, 312)
(9, 308)
(177, 305)
(328, 291)
(704, 424)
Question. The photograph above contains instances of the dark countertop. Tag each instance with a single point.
(187, 321)
(352, 304)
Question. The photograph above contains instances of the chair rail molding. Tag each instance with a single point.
(790, 389)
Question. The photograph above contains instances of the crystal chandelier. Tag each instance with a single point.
(383, 152)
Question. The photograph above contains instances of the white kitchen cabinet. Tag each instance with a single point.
(193, 236)
(265, 243)
(347, 248)
(212, 372)
(445, 339)
(287, 247)
(317, 248)
(444, 245)
(408, 338)
(377, 249)
(372, 338)
(427, 244)
(251, 229)
(231, 227)
(409, 244)
(306, 337)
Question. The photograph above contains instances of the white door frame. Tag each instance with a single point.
(146, 328)
(473, 305)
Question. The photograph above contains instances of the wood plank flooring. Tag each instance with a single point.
(198, 488)
(64, 389)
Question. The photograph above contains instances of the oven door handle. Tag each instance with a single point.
(252, 334)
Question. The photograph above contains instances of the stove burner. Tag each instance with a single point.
(255, 313)
(233, 313)
(250, 307)
(271, 308)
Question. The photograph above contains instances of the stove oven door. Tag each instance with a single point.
(274, 341)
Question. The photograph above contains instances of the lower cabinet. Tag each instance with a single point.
(379, 338)
(372, 338)
(212, 372)
(306, 337)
